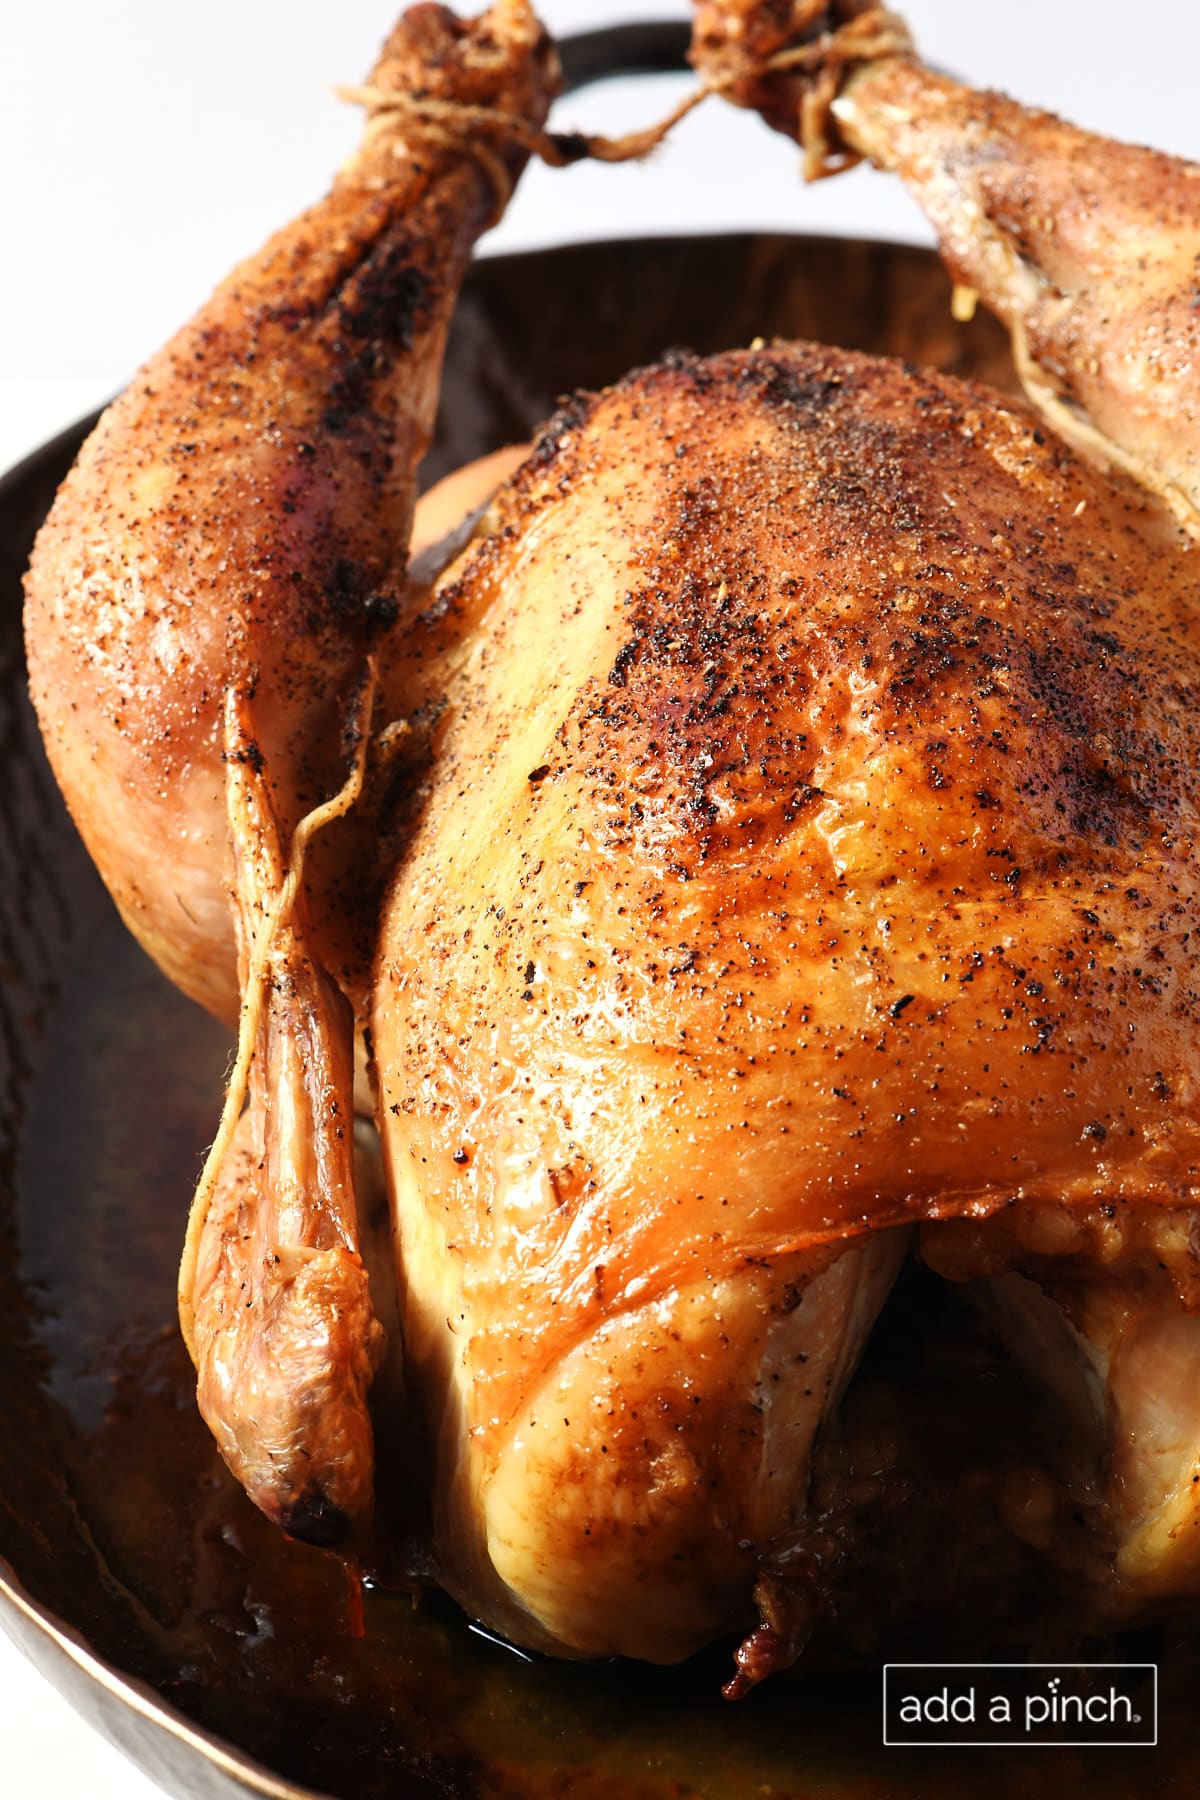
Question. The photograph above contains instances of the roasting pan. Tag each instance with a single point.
(222, 1658)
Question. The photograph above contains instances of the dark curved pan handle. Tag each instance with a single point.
(649, 49)
(654, 48)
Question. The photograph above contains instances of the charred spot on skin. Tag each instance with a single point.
(378, 314)
(351, 598)
(389, 299)
(381, 612)
(250, 756)
(573, 411)
(778, 382)
(313, 1518)
(619, 673)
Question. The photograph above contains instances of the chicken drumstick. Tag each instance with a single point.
(226, 554)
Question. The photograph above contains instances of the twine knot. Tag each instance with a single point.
(483, 132)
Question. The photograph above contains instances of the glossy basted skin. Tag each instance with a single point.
(804, 855)
(807, 852)
(245, 507)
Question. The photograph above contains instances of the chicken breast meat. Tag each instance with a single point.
(790, 783)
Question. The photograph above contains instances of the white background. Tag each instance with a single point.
(145, 146)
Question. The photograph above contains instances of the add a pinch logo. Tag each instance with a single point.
(1030, 1704)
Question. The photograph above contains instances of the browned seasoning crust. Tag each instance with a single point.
(249, 498)
(808, 850)
(234, 541)
(804, 857)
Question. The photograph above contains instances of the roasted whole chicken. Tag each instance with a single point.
(750, 836)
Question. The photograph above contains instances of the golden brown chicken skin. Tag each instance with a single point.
(228, 553)
(242, 512)
(807, 852)
(1086, 248)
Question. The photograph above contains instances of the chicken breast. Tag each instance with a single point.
(805, 853)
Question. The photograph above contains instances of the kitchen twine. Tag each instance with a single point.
(454, 126)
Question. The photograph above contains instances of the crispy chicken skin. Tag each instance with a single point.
(806, 852)
(1077, 242)
(249, 497)
(792, 776)
(202, 601)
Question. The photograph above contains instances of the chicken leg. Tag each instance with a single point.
(208, 590)
(262, 466)
(1086, 248)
